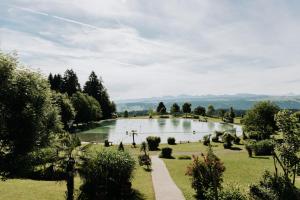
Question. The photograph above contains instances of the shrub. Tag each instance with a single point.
(164, 116)
(153, 143)
(207, 174)
(121, 147)
(144, 159)
(166, 153)
(106, 175)
(263, 147)
(227, 139)
(171, 141)
(272, 187)
(206, 140)
(106, 143)
(215, 139)
(236, 139)
(249, 148)
(184, 157)
(253, 135)
(232, 194)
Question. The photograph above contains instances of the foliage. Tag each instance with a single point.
(86, 107)
(210, 110)
(56, 82)
(227, 139)
(171, 141)
(263, 147)
(272, 187)
(126, 114)
(28, 117)
(66, 109)
(260, 119)
(121, 146)
(206, 140)
(144, 159)
(94, 87)
(106, 143)
(229, 116)
(106, 175)
(289, 148)
(175, 108)
(166, 152)
(216, 136)
(70, 82)
(186, 108)
(161, 108)
(232, 193)
(153, 143)
(207, 174)
(236, 139)
(199, 111)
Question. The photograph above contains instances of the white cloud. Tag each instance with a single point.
(147, 48)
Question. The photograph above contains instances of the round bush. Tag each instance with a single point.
(171, 141)
(264, 147)
(106, 175)
(166, 153)
(153, 143)
(206, 140)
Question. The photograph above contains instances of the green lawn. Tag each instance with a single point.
(25, 189)
(240, 170)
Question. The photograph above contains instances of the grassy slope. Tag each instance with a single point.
(16, 189)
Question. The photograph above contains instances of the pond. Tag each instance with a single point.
(119, 130)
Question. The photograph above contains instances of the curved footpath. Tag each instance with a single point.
(164, 186)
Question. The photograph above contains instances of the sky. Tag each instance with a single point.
(144, 48)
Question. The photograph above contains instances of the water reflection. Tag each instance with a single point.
(175, 122)
(181, 129)
(186, 125)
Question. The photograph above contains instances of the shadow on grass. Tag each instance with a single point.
(235, 148)
(147, 169)
(260, 157)
(136, 195)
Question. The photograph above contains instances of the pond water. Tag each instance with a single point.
(120, 130)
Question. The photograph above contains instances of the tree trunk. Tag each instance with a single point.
(70, 179)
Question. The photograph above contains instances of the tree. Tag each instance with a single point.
(175, 108)
(70, 82)
(260, 119)
(113, 107)
(161, 108)
(207, 174)
(199, 111)
(222, 113)
(66, 109)
(126, 114)
(94, 87)
(86, 107)
(56, 82)
(210, 110)
(28, 118)
(229, 116)
(288, 149)
(186, 108)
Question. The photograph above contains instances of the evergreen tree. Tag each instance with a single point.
(70, 82)
(161, 108)
(56, 82)
(94, 87)
(210, 110)
(186, 108)
(175, 108)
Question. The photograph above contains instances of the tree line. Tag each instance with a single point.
(91, 103)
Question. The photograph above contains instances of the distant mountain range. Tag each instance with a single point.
(237, 101)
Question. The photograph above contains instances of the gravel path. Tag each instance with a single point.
(164, 186)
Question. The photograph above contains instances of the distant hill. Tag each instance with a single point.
(238, 101)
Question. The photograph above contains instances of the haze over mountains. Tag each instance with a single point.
(237, 101)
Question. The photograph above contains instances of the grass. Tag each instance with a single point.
(241, 171)
(26, 189)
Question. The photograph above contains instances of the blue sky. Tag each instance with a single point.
(145, 48)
